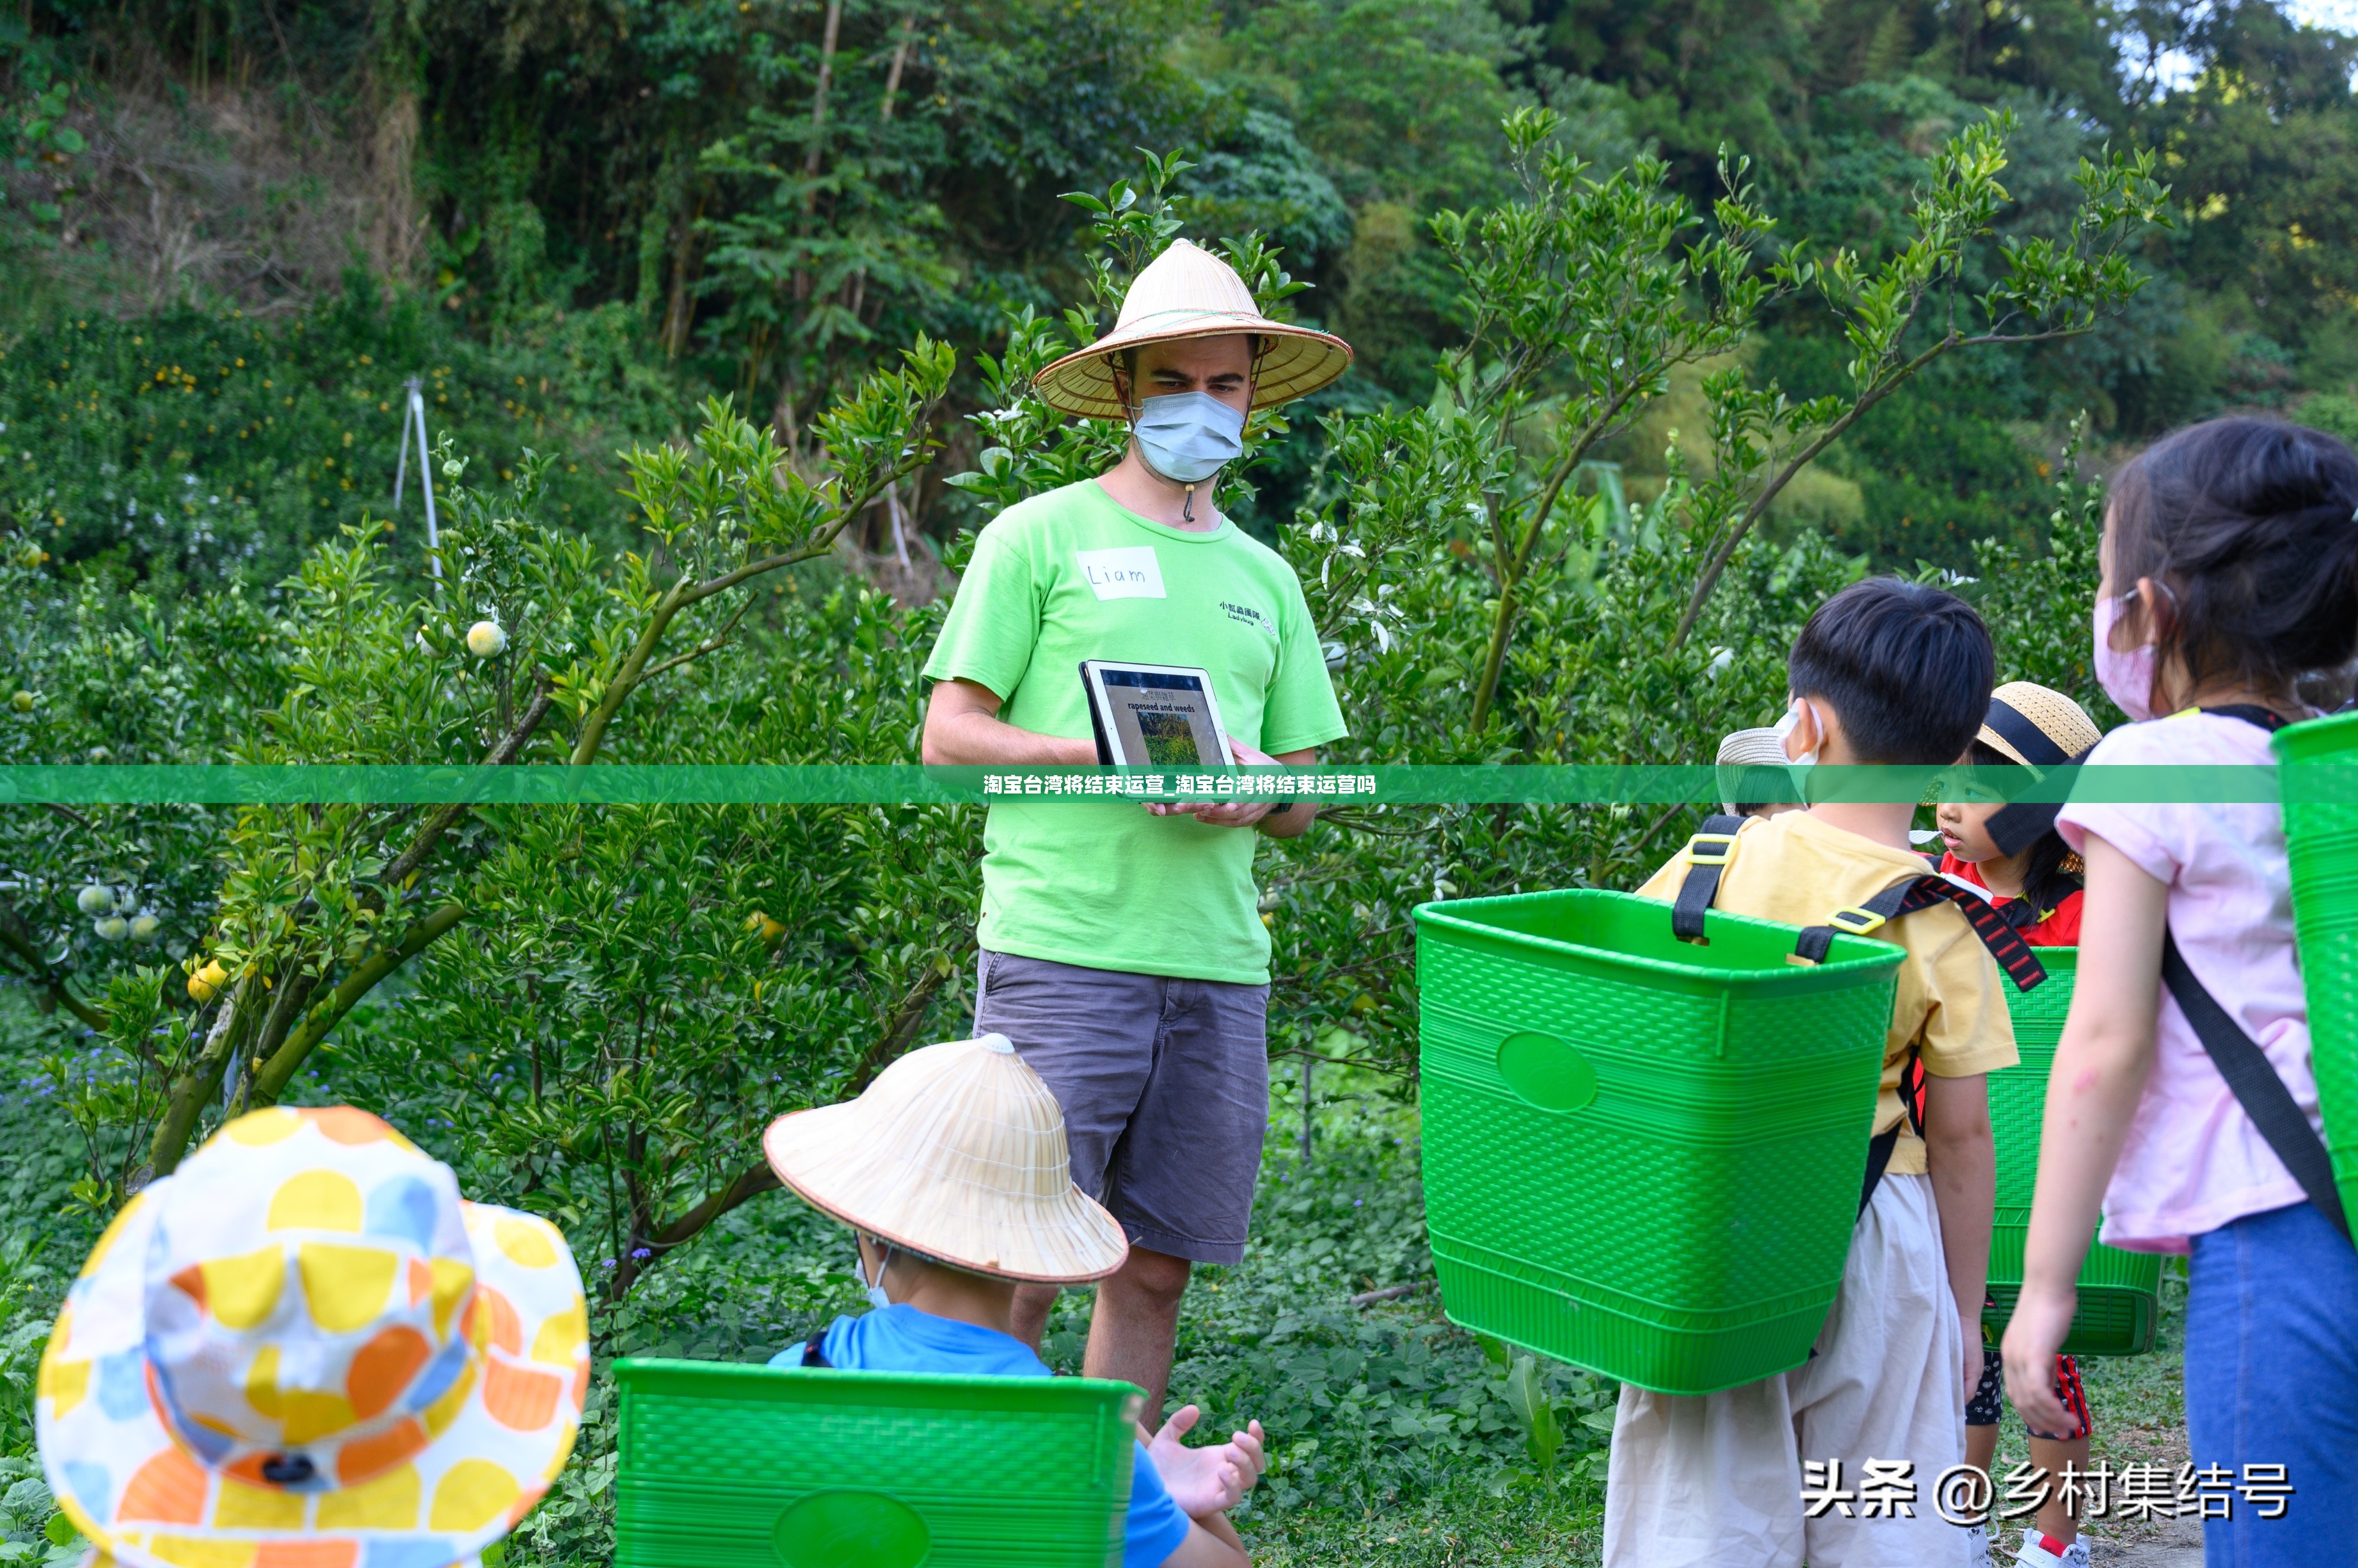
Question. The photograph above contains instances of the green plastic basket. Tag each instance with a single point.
(735, 1465)
(2321, 834)
(1643, 1156)
(2118, 1291)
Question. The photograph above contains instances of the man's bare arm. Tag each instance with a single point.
(963, 728)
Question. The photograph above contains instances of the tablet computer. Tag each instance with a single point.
(1154, 716)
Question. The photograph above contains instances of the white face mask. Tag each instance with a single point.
(1786, 726)
(876, 1296)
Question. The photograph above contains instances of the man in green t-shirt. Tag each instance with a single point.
(1121, 948)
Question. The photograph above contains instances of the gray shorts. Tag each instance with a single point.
(1164, 1084)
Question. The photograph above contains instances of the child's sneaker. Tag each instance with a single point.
(1977, 1546)
(2046, 1552)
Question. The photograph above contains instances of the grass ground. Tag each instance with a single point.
(1396, 1437)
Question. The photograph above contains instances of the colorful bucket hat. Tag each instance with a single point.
(304, 1350)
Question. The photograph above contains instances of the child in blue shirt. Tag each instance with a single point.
(952, 1172)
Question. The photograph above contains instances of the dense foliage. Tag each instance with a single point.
(1670, 323)
(629, 206)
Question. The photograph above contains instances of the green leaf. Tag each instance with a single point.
(1526, 1394)
(61, 1530)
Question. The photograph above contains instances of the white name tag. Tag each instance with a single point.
(1129, 572)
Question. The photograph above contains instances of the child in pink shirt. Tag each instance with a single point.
(2230, 569)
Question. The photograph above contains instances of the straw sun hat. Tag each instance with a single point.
(1188, 292)
(1748, 751)
(2036, 727)
(304, 1350)
(956, 1152)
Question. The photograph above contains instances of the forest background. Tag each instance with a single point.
(233, 230)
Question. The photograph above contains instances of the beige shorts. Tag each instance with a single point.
(1716, 1481)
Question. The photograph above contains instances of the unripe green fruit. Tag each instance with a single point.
(23, 701)
(114, 928)
(95, 899)
(145, 928)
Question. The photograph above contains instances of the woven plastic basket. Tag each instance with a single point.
(724, 1464)
(2318, 760)
(2118, 1291)
(1643, 1156)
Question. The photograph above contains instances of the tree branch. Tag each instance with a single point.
(1725, 550)
(898, 1033)
(271, 1078)
(194, 1088)
(503, 753)
(19, 938)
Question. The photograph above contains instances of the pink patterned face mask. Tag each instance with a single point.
(2126, 677)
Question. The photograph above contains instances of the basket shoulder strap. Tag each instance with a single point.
(1906, 897)
(1708, 855)
(2254, 1084)
(813, 1355)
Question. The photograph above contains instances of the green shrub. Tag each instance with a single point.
(189, 446)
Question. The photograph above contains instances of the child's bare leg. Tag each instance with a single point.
(2051, 1456)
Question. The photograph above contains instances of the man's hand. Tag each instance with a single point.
(1249, 813)
(1225, 813)
(1206, 1481)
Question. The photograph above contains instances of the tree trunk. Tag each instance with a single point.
(818, 97)
(900, 64)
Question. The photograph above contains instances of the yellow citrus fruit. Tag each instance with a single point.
(486, 640)
(207, 982)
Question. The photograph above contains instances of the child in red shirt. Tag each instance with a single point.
(2039, 890)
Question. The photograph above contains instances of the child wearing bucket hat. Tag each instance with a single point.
(303, 1350)
(951, 1171)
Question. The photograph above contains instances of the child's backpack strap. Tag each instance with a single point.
(812, 1355)
(2005, 943)
(1707, 854)
(2253, 1080)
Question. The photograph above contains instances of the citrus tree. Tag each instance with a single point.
(656, 976)
(1485, 591)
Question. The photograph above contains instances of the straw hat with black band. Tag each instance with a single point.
(2040, 729)
(1188, 292)
(955, 1154)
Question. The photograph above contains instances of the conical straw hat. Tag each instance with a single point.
(1188, 292)
(956, 1151)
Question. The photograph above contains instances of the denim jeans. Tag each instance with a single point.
(2272, 1379)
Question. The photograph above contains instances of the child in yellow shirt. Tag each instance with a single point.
(1891, 673)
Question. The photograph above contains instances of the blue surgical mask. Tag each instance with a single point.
(1188, 436)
